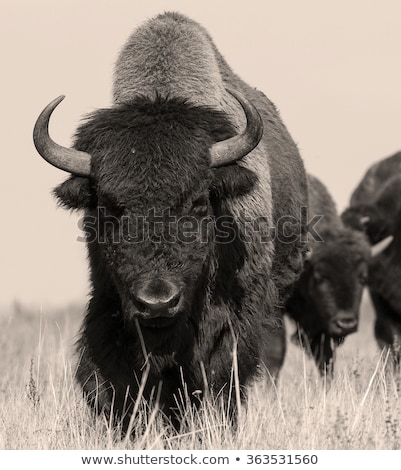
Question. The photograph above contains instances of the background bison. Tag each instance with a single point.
(167, 308)
(376, 200)
(326, 299)
(375, 208)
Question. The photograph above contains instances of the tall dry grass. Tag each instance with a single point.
(41, 408)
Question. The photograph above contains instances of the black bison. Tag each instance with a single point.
(326, 299)
(180, 192)
(376, 200)
(375, 208)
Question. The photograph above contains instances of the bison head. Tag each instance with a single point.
(334, 276)
(377, 218)
(370, 220)
(151, 175)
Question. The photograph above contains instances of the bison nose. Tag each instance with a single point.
(157, 297)
(347, 321)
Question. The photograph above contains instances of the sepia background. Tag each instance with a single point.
(332, 68)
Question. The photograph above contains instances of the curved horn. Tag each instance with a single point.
(230, 150)
(73, 161)
(381, 246)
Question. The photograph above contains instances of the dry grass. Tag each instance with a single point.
(40, 407)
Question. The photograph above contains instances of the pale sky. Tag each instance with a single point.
(332, 68)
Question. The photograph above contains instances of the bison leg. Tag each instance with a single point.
(96, 390)
(274, 350)
(322, 347)
(387, 328)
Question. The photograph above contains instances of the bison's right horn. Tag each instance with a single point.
(230, 150)
(75, 162)
(381, 246)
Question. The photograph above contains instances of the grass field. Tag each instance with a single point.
(41, 408)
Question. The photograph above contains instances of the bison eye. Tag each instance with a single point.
(363, 279)
(111, 206)
(363, 274)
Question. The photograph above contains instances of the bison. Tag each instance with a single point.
(375, 208)
(326, 299)
(181, 194)
(376, 200)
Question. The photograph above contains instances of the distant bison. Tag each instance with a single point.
(170, 177)
(325, 303)
(375, 208)
(376, 200)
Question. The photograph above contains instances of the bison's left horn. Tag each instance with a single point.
(381, 246)
(230, 150)
(75, 162)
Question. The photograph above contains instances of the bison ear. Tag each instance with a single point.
(76, 193)
(231, 181)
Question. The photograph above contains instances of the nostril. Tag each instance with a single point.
(140, 305)
(174, 301)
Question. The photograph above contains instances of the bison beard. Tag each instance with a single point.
(167, 313)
